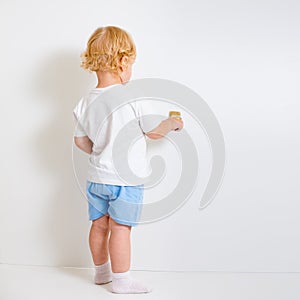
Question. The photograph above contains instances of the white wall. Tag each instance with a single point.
(242, 57)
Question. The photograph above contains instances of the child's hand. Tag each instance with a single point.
(165, 127)
(177, 124)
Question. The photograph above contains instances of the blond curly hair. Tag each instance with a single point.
(105, 49)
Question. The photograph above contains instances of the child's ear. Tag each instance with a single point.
(124, 62)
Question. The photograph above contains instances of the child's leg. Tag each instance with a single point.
(119, 246)
(119, 250)
(98, 240)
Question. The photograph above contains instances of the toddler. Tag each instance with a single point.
(110, 53)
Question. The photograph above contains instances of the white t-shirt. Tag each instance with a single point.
(101, 167)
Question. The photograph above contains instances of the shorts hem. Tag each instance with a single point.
(123, 222)
(97, 217)
(115, 219)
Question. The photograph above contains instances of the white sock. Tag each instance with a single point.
(123, 283)
(103, 273)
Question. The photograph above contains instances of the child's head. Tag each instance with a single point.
(110, 49)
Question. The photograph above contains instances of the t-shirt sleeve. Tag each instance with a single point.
(142, 109)
(138, 114)
(79, 131)
(151, 112)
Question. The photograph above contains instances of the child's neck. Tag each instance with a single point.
(107, 78)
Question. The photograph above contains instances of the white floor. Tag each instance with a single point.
(31, 282)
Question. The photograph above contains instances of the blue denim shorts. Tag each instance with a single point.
(122, 203)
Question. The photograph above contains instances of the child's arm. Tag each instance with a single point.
(164, 128)
(84, 143)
